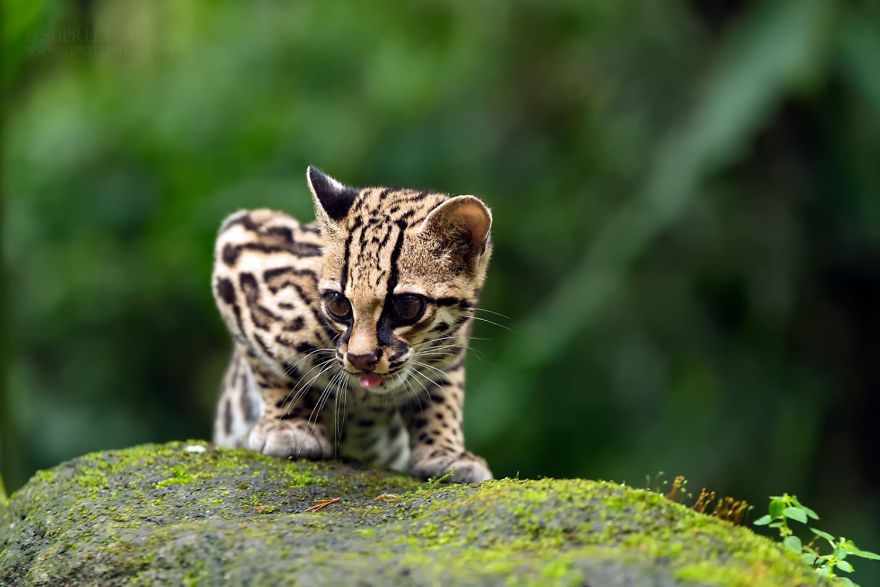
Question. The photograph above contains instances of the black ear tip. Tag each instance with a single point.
(314, 174)
(321, 182)
(334, 197)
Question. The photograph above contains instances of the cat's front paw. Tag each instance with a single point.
(462, 467)
(290, 438)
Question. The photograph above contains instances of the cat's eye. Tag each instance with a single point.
(337, 306)
(408, 308)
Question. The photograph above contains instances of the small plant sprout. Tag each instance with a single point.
(707, 502)
(435, 481)
(727, 508)
(785, 509)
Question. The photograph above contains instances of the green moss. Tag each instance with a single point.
(706, 572)
(559, 573)
(164, 514)
(93, 479)
(43, 477)
(183, 475)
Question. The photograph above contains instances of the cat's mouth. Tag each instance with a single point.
(375, 382)
(370, 380)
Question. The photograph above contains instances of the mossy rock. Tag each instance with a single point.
(184, 513)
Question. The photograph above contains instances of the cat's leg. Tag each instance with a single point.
(239, 407)
(290, 424)
(435, 432)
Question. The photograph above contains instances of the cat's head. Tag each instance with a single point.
(402, 271)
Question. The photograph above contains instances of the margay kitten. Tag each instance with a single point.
(350, 332)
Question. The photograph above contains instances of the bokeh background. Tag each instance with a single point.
(686, 195)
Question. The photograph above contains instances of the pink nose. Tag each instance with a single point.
(365, 362)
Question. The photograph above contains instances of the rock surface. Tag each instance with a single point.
(188, 513)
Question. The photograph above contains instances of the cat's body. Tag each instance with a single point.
(350, 333)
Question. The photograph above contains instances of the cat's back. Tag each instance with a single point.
(266, 244)
(265, 278)
(270, 248)
(264, 234)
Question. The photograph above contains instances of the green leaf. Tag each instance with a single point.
(844, 566)
(763, 520)
(776, 507)
(824, 535)
(796, 514)
(847, 582)
(865, 554)
(850, 547)
(793, 543)
(810, 513)
(808, 558)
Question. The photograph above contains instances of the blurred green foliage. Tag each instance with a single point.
(686, 201)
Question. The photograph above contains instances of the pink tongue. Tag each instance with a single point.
(368, 381)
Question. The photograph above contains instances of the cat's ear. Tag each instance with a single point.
(332, 198)
(461, 225)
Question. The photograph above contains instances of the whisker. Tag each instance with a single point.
(302, 377)
(337, 431)
(443, 346)
(420, 364)
(319, 406)
(342, 387)
(424, 388)
(481, 309)
(289, 368)
(452, 353)
(434, 341)
(309, 425)
(411, 390)
(459, 347)
(416, 394)
(462, 347)
(450, 337)
(332, 384)
(471, 316)
(298, 387)
(426, 378)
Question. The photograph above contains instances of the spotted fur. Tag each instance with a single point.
(295, 384)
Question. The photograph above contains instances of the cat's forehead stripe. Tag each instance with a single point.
(373, 256)
(377, 216)
(394, 271)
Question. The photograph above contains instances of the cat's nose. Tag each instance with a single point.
(364, 362)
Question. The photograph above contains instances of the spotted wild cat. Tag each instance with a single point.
(350, 332)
